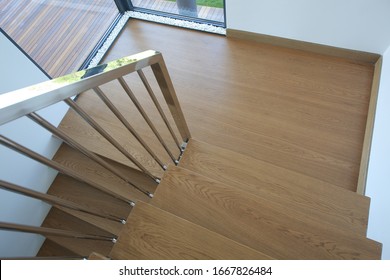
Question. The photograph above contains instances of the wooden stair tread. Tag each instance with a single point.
(343, 208)
(97, 257)
(72, 190)
(50, 248)
(96, 173)
(151, 233)
(83, 247)
(255, 221)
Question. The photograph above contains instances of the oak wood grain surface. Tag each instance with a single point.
(296, 120)
(83, 247)
(51, 249)
(85, 195)
(96, 173)
(302, 194)
(271, 228)
(155, 234)
(298, 110)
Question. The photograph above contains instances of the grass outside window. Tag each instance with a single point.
(208, 3)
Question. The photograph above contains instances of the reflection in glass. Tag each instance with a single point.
(197, 10)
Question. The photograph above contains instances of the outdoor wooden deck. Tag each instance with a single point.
(59, 34)
(209, 13)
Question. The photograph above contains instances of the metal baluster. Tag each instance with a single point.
(109, 138)
(56, 201)
(123, 120)
(41, 121)
(55, 165)
(158, 106)
(55, 232)
(145, 116)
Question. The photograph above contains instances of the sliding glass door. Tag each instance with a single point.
(58, 35)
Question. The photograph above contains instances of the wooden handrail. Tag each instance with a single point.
(54, 232)
(56, 201)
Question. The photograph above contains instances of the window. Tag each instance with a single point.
(202, 11)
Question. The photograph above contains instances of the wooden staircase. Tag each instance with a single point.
(216, 204)
(117, 197)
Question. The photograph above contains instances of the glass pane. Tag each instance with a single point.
(58, 35)
(212, 10)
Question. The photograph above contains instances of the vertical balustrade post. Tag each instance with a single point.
(123, 120)
(131, 95)
(158, 106)
(110, 139)
(41, 121)
(163, 79)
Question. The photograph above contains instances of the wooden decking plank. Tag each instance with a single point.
(59, 35)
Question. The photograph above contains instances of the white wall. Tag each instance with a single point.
(353, 24)
(379, 169)
(18, 71)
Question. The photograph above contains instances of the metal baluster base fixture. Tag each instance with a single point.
(182, 149)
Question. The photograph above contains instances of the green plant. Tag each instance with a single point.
(208, 3)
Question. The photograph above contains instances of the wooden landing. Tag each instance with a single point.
(297, 110)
